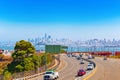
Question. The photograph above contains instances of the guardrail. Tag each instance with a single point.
(87, 75)
(35, 75)
(90, 61)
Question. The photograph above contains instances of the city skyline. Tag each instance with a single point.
(75, 20)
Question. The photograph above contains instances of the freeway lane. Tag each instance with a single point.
(107, 69)
(69, 72)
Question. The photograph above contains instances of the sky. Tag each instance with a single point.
(72, 19)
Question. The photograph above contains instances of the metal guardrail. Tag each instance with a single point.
(90, 61)
(35, 75)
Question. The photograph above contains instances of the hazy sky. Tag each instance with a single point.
(73, 19)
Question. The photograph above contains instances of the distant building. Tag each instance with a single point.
(1, 51)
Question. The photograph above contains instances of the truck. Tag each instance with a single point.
(51, 75)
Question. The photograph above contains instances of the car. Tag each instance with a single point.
(80, 55)
(82, 62)
(93, 57)
(81, 72)
(78, 58)
(89, 56)
(73, 55)
(68, 55)
(105, 58)
(90, 62)
(50, 75)
(90, 67)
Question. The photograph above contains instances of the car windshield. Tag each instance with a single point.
(81, 70)
(48, 73)
(89, 65)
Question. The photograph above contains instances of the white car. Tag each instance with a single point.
(89, 56)
(82, 62)
(51, 75)
(90, 67)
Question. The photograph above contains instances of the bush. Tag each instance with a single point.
(7, 75)
(63, 51)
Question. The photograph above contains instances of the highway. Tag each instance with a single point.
(69, 71)
(106, 69)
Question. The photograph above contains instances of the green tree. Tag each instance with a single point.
(24, 49)
(7, 75)
(36, 59)
(63, 51)
(22, 57)
(1, 56)
(43, 60)
(49, 58)
(19, 55)
(28, 64)
(25, 58)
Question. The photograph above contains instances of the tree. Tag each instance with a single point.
(43, 60)
(23, 49)
(25, 59)
(36, 60)
(7, 75)
(63, 51)
(1, 56)
(22, 57)
(28, 64)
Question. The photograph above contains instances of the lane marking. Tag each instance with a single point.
(72, 66)
(91, 74)
(66, 64)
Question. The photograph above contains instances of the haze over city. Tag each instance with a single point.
(59, 39)
(75, 20)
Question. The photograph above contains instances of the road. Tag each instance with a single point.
(106, 69)
(69, 72)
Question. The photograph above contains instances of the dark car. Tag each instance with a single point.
(80, 55)
(81, 72)
(93, 57)
(78, 58)
(90, 62)
(105, 58)
(82, 62)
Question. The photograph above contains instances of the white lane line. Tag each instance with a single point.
(72, 66)
(66, 64)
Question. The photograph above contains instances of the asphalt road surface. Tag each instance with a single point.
(69, 72)
(106, 69)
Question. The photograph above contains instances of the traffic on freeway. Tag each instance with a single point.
(108, 69)
(75, 67)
